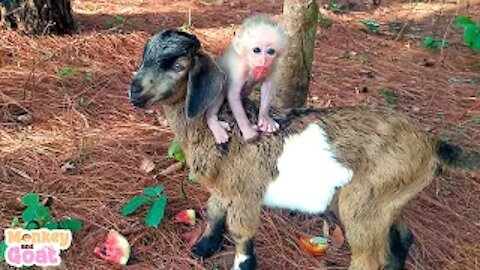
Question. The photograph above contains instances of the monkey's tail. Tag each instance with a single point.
(453, 156)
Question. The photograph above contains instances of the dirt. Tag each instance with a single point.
(63, 100)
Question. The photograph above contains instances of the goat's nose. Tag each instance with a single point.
(135, 94)
(136, 87)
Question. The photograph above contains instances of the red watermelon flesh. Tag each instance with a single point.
(115, 249)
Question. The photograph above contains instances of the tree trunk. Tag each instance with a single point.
(37, 16)
(300, 22)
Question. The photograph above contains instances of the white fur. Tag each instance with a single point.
(308, 173)
(239, 258)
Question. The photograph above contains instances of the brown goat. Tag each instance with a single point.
(358, 164)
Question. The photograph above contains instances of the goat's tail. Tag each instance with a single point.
(453, 156)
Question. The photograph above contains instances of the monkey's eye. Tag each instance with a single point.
(270, 51)
(177, 67)
(256, 50)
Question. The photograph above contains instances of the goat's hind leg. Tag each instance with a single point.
(212, 238)
(401, 238)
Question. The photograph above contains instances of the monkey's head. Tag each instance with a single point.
(262, 41)
(173, 69)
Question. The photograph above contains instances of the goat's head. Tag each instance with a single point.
(174, 69)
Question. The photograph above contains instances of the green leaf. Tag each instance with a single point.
(476, 39)
(153, 192)
(30, 199)
(30, 213)
(156, 212)
(388, 95)
(3, 249)
(464, 21)
(133, 204)
(16, 222)
(71, 224)
(469, 35)
(192, 178)
(32, 225)
(175, 151)
(427, 42)
(51, 225)
(64, 72)
(43, 214)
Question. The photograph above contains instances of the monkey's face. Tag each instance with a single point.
(262, 50)
(166, 60)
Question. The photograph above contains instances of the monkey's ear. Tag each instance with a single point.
(237, 45)
(205, 82)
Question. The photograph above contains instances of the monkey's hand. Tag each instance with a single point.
(219, 130)
(267, 124)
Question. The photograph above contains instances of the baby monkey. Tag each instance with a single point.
(252, 58)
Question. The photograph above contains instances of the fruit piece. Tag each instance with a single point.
(115, 249)
(192, 237)
(314, 245)
(186, 217)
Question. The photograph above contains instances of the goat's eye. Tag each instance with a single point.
(271, 51)
(256, 50)
(178, 67)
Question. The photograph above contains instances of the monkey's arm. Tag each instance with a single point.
(265, 122)
(235, 102)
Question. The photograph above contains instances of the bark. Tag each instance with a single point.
(37, 16)
(300, 22)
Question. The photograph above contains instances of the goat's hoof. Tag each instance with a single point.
(223, 148)
(248, 264)
(207, 246)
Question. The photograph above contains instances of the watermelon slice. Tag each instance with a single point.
(186, 217)
(115, 249)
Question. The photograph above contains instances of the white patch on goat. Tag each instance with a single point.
(308, 173)
(239, 258)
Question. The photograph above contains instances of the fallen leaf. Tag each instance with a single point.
(336, 237)
(147, 165)
(68, 167)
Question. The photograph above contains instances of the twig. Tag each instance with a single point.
(171, 169)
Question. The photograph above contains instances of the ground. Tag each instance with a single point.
(64, 99)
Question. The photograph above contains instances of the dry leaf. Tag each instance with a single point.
(147, 165)
(336, 236)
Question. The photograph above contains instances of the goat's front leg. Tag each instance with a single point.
(243, 220)
(213, 235)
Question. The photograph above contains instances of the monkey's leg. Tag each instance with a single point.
(219, 128)
(243, 220)
(213, 235)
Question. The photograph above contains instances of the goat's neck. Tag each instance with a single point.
(186, 131)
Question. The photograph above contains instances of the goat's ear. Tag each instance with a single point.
(205, 83)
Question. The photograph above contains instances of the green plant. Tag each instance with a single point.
(153, 196)
(324, 22)
(175, 151)
(471, 31)
(476, 119)
(388, 95)
(371, 25)
(333, 6)
(64, 72)
(38, 216)
(432, 43)
(117, 20)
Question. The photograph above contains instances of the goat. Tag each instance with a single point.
(361, 164)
